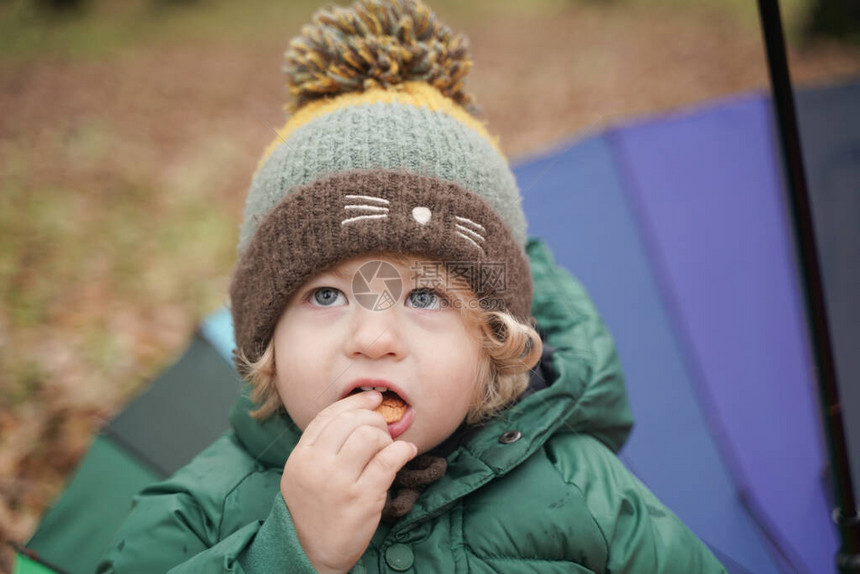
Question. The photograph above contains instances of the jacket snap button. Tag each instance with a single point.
(399, 557)
(510, 436)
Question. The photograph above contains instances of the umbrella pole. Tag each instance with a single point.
(845, 515)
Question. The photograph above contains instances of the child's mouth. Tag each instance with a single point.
(396, 429)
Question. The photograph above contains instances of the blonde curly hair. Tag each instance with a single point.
(511, 348)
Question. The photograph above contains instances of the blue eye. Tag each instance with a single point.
(424, 299)
(325, 296)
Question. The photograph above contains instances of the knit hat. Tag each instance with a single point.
(381, 152)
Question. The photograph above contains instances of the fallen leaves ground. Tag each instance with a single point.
(123, 176)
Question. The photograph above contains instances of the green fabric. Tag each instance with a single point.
(78, 529)
(182, 412)
(556, 500)
(374, 136)
(24, 565)
(277, 533)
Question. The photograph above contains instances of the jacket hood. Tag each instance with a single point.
(586, 393)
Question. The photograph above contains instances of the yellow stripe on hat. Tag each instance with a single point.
(418, 94)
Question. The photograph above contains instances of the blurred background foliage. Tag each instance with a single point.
(129, 130)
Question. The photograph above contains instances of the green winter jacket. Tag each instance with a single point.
(551, 496)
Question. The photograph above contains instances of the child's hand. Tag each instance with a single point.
(336, 480)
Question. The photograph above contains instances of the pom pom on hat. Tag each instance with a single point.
(372, 44)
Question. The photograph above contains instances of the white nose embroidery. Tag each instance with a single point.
(421, 215)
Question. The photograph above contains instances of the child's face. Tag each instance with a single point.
(330, 337)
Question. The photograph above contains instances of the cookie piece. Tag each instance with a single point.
(392, 408)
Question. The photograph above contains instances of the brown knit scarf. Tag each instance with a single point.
(409, 483)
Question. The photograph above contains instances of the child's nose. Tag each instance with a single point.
(375, 334)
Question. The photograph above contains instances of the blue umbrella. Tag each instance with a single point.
(679, 228)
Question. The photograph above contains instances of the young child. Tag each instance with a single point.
(428, 391)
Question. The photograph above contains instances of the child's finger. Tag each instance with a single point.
(365, 400)
(360, 448)
(344, 425)
(380, 471)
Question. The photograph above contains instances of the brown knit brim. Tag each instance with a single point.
(365, 212)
